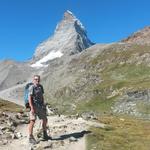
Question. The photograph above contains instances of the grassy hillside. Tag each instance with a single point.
(9, 106)
(101, 80)
(122, 133)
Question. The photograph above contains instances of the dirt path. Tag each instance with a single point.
(67, 134)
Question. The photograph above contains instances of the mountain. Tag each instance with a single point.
(142, 37)
(102, 78)
(13, 73)
(69, 38)
(78, 75)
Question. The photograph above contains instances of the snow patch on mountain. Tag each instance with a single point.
(50, 56)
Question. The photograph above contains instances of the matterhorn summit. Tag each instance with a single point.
(69, 38)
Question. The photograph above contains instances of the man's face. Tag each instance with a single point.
(36, 80)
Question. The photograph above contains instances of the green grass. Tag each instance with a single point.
(130, 77)
(115, 76)
(122, 75)
(124, 134)
(9, 106)
(97, 104)
(143, 107)
(126, 75)
(118, 53)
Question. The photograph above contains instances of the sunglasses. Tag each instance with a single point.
(37, 79)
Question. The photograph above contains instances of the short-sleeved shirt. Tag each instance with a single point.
(36, 91)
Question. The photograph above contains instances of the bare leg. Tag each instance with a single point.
(31, 125)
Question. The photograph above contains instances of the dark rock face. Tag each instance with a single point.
(139, 94)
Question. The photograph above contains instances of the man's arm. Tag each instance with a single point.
(31, 104)
(31, 98)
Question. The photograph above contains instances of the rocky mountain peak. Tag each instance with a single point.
(140, 37)
(68, 15)
(69, 21)
(69, 38)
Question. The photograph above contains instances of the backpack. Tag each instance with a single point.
(26, 95)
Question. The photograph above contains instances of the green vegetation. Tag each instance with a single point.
(9, 106)
(118, 74)
(97, 104)
(124, 133)
(126, 76)
(143, 107)
(120, 53)
(117, 78)
(120, 71)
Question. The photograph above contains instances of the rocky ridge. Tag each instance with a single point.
(141, 37)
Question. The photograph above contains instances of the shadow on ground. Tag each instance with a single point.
(76, 135)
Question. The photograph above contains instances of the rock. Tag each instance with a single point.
(13, 136)
(18, 115)
(1, 132)
(73, 139)
(43, 145)
(6, 128)
(49, 111)
(121, 119)
(47, 146)
(89, 115)
(19, 135)
(23, 121)
(25, 115)
(21, 115)
(62, 142)
(4, 114)
(4, 142)
(55, 144)
(7, 136)
(11, 122)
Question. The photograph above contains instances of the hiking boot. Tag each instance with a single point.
(32, 140)
(45, 136)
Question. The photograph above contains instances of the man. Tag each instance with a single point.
(37, 108)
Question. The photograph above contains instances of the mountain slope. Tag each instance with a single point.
(96, 81)
(69, 38)
(141, 37)
(78, 76)
(13, 73)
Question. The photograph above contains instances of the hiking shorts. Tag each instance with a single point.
(40, 112)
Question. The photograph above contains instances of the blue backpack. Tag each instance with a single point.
(26, 95)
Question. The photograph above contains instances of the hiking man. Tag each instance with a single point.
(37, 108)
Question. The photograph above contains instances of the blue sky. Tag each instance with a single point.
(26, 23)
